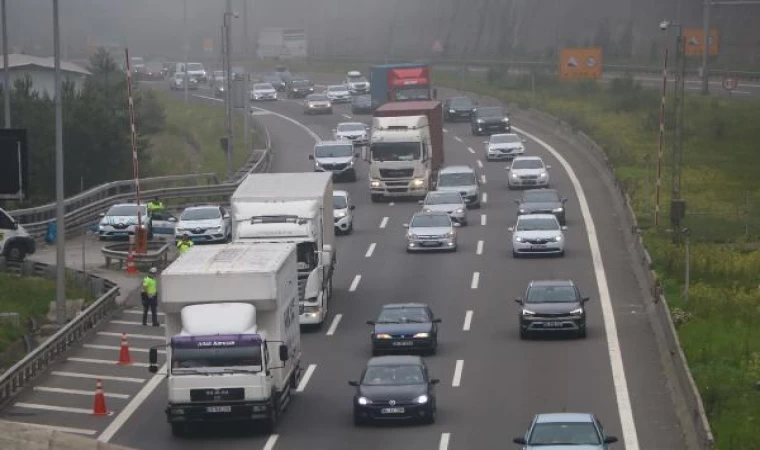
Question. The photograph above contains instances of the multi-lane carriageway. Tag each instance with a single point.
(492, 382)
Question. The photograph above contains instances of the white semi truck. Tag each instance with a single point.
(234, 344)
(296, 208)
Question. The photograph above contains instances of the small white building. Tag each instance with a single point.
(42, 72)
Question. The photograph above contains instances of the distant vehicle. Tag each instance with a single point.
(299, 88)
(220, 90)
(405, 380)
(355, 132)
(542, 201)
(565, 431)
(205, 224)
(343, 211)
(121, 221)
(238, 73)
(217, 77)
(196, 71)
(490, 119)
(356, 83)
(463, 180)
(15, 241)
(400, 83)
(553, 306)
(336, 157)
(263, 91)
(361, 104)
(167, 68)
(338, 93)
(137, 64)
(537, 234)
(153, 72)
(178, 82)
(457, 108)
(317, 104)
(449, 202)
(504, 146)
(431, 231)
(405, 327)
(274, 80)
(528, 171)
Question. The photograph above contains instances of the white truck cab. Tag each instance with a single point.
(15, 242)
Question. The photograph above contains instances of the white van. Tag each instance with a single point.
(15, 242)
(195, 71)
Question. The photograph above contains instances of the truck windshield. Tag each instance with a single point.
(395, 151)
(195, 358)
(413, 94)
(194, 66)
(307, 255)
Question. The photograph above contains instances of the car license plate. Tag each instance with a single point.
(539, 245)
(219, 409)
(431, 244)
(553, 324)
(392, 411)
(403, 344)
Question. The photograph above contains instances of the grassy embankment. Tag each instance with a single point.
(719, 326)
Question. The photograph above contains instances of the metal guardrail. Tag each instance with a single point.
(157, 254)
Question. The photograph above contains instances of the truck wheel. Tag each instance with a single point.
(376, 198)
(271, 422)
(15, 252)
(178, 429)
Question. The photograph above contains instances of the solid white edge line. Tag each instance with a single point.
(271, 441)
(480, 164)
(306, 377)
(132, 406)
(346, 116)
(308, 131)
(104, 362)
(467, 320)
(384, 222)
(117, 348)
(355, 283)
(475, 280)
(91, 376)
(457, 380)
(479, 249)
(76, 392)
(370, 250)
(471, 150)
(627, 422)
(484, 197)
(128, 322)
(132, 336)
(483, 220)
(444, 444)
(457, 138)
(483, 179)
(66, 409)
(53, 428)
(334, 324)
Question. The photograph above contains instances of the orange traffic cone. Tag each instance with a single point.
(125, 358)
(99, 407)
(131, 268)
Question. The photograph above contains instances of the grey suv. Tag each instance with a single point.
(462, 179)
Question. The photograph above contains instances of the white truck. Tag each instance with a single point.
(234, 344)
(297, 208)
(15, 241)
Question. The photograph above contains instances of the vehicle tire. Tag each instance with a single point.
(582, 332)
(375, 197)
(358, 421)
(562, 254)
(376, 352)
(353, 176)
(271, 423)
(476, 205)
(350, 228)
(15, 252)
(515, 255)
(178, 429)
(430, 419)
(523, 334)
(464, 223)
(510, 187)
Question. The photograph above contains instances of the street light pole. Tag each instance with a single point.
(60, 267)
(228, 75)
(246, 87)
(7, 88)
(187, 51)
(705, 46)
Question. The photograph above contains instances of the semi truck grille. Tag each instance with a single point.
(396, 173)
(210, 395)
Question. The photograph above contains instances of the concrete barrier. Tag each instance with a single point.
(15, 436)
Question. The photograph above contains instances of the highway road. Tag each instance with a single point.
(492, 382)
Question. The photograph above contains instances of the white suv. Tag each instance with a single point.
(15, 242)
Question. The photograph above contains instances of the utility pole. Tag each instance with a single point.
(187, 51)
(246, 86)
(706, 44)
(7, 88)
(60, 239)
(228, 14)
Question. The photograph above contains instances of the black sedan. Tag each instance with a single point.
(492, 119)
(542, 201)
(552, 306)
(406, 328)
(361, 104)
(458, 108)
(395, 388)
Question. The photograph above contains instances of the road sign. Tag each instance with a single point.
(208, 45)
(14, 164)
(580, 63)
(437, 47)
(695, 37)
(730, 83)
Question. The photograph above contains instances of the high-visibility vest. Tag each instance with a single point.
(184, 246)
(155, 206)
(149, 286)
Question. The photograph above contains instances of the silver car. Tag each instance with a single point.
(338, 93)
(263, 91)
(343, 212)
(355, 132)
(317, 104)
(528, 171)
(565, 431)
(461, 179)
(449, 202)
(337, 157)
(204, 224)
(538, 234)
(504, 146)
(431, 231)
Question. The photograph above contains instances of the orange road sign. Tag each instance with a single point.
(695, 38)
(580, 63)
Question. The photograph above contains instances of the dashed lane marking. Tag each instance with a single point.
(77, 392)
(445, 130)
(56, 408)
(480, 164)
(103, 361)
(458, 373)
(483, 219)
(370, 250)
(334, 324)
(54, 428)
(128, 322)
(457, 138)
(384, 222)
(469, 149)
(391, 203)
(97, 377)
(484, 197)
(467, 321)
(479, 249)
(269, 445)
(306, 377)
(346, 116)
(444, 444)
(117, 348)
(475, 280)
(355, 283)
(133, 336)
(483, 179)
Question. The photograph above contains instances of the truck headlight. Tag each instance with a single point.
(383, 336)
(418, 182)
(526, 312)
(374, 183)
(421, 400)
(363, 401)
(518, 239)
(543, 175)
(422, 335)
(481, 121)
(558, 210)
(577, 312)
(505, 120)
(523, 211)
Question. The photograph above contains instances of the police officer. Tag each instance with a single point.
(184, 244)
(150, 297)
(155, 206)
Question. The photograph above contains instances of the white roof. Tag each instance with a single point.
(340, 194)
(218, 318)
(402, 121)
(266, 186)
(19, 61)
(234, 258)
(300, 208)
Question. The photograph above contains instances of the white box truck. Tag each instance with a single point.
(297, 208)
(234, 344)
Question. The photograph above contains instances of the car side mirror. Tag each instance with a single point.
(226, 216)
(15, 225)
(520, 441)
(406, 225)
(564, 228)
(370, 322)
(284, 356)
(352, 207)
(353, 383)
(457, 224)
(519, 301)
(421, 202)
(610, 440)
(563, 200)
(311, 157)
(548, 167)
(585, 299)
(434, 381)
(508, 168)
(523, 140)
(511, 229)
(436, 320)
(102, 214)
(153, 360)
(174, 219)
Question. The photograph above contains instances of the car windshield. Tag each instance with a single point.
(125, 210)
(443, 198)
(395, 151)
(397, 375)
(551, 294)
(187, 358)
(201, 214)
(527, 164)
(262, 86)
(461, 102)
(491, 112)
(300, 83)
(333, 151)
(564, 434)
(351, 127)
(430, 221)
(540, 197)
(534, 224)
(456, 179)
(195, 66)
(336, 88)
(340, 202)
(316, 98)
(357, 79)
(505, 139)
(404, 315)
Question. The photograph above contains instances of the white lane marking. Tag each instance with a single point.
(334, 324)
(306, 377)
(137, 312)
(391, 203)
(271, 441)
(346, 116)
(77, 392)
(132, 336)
(480, 164)
(128, 322)
(445, 130)
(103, 361)
(97, 377)
(467, 321)
(483, 220)
(66, 409)
(741, 92)
(469, 149)
(458, 373)
(355, 283)
(457, 138)
(484, 197)
(444, 444)
(630, 438)
(384, 222)
(308, 130)
(479, 250)
(475, 280)
(132, 406)
(370, 250)
(117, 348)
(483, 179)
(53, 428)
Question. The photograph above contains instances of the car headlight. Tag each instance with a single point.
(451, 111)
(558, 210)
(426, 210)
(421, 400)
(311, 89)
(557, 238)
(527, 312)
(514, 175)
(383, 336)
(374, 183)
(340, 214)
(518, 239)
(418, 182)
(422, 335)
(481, 121)
(449, 235)
(459, 211)
(410, 236)
(577, 312)
(363, 401)
(505, 120)
(543, 175)
(523, 211)
(310, 309)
